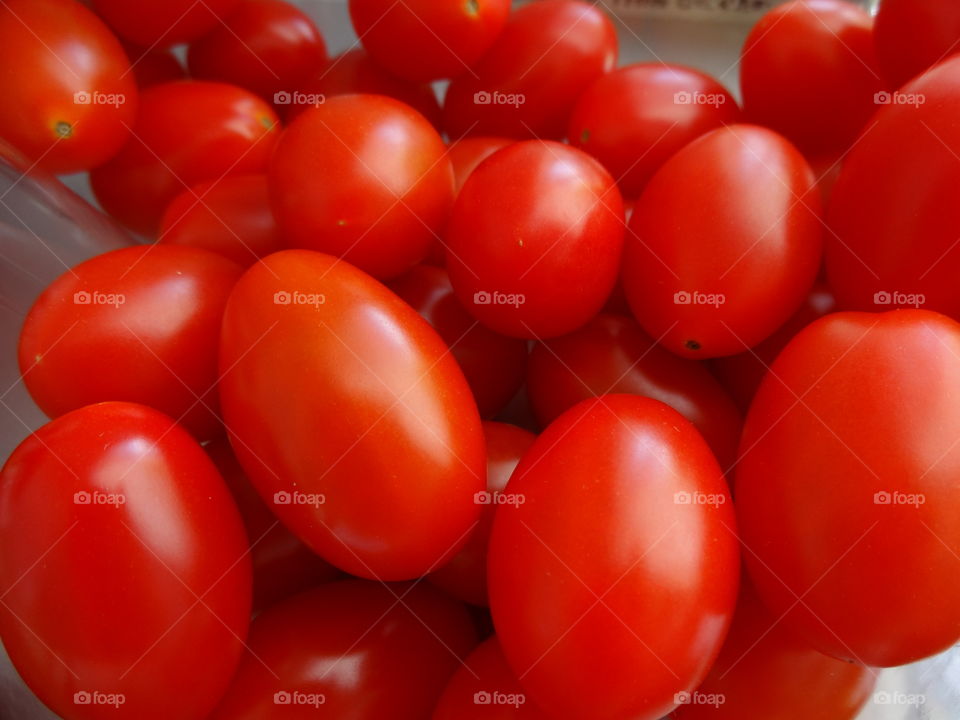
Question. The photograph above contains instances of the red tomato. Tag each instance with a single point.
(912, 35)
(139, 324)
(611, 354)
(529, 80)
(153, 67)
(467, 153)
(485, 688)
(350, 650)
(268, 47)
(808, 71)
(493, 364)
(66, 83)
(230, 216)
(186, 132)
(846, 487)
(465, 577)
(162, 23)
(282, 565)
(354, 72)
(123, 568)
(893, 213)
(363, 177)
(424, 40)
(349, 415)
(633, 119)
(534, 241)
(764, 672)
(724, 243)
(619, 549)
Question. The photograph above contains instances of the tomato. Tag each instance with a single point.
(808, 70)
(611, 354)
(363, 177)
(350, 650)
(842, 502)
(349, 415)
(354, 72)
(66, 82)
(893, 215)
(493, 364)
(465, 577)
(424, 40)
(266, 46)
(764, 672)
(230, 216)
(724, 243)
(153, 67)
(282, 565)
(185, 133)
(138, 324)
(534, 240)
(619, 546)
(741, 374)
(634, 118)
(528, 81)
(467, 153)
(162, 23)
(123, 567)
(484, 688)
(913, 35)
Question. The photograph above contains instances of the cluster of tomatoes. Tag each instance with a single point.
(572, 346)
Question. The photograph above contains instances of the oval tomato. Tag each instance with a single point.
(528, 81)
(139, 324)
(153, 67)
(123, 567)
(621, 547)
(846, 487)
(467, 153)
(534, 241)
(67, 84)
(724, 243)
(363, 177)
(350, 416)
(913, 35)
(162, 23)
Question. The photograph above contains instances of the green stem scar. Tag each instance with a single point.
(63, 129)
(472, 7)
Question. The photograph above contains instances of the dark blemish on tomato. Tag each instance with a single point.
(692, 345)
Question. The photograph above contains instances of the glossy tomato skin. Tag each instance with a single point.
(363, 177)
(230, 216)
(528, 81)
(912, 35)
(69, 81)
(425, 40)
(162, 23)
(634, 118)
(332, 387)
(765, 672)
(485, 689)
(725, 242)
(465, 576)
(139, 324)
(841, 500)
(116, 508)
(611, 354)
(808, 70)
(363, 650)
(626, 532)
(535, 238)
(185, 133)
(892, 214)
(266, 46)
(493, 364)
